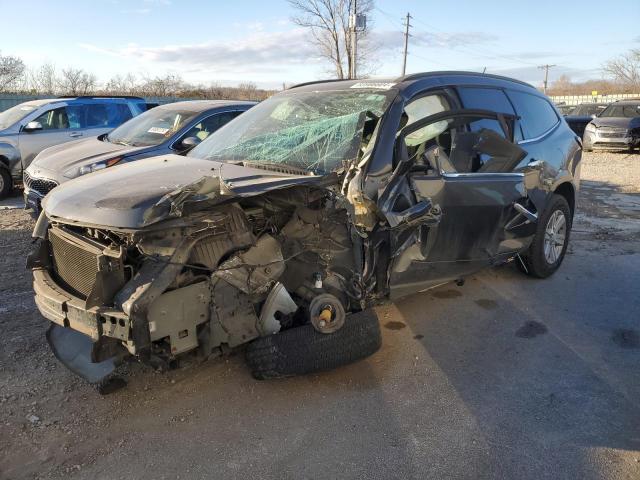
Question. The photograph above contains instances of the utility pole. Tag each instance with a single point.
(407, 25)
(357, 23)
(546, 68)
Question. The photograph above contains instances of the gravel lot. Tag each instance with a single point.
(506, 377)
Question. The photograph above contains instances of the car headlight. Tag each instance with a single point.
(94, 167)
(591, 128)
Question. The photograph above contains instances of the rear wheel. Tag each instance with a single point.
(6, 183)
(303, 350)
(551, 239)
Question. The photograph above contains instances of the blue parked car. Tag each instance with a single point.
(29, 128)
(171, 128)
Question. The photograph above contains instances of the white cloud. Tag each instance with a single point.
(257, 52)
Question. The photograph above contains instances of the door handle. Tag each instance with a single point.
(75, 134)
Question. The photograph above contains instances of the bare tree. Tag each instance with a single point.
(171, 85)
(11, 72)
(44, 79)
(122, 84)
(626, 69)
(328, 21)
(562, 86)
(75, 81)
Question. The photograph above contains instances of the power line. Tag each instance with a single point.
(470, 50)
(407, 26)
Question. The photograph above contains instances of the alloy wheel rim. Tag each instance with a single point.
(555, 235)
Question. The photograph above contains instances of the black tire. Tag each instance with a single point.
(6, 183)
(535, 261)
(304, 350)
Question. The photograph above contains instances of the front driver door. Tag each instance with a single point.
(454, 205)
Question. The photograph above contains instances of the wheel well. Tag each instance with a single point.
(566, 190)
(4, 161)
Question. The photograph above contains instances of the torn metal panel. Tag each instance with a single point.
(254, 270)
(233, 317)
(177, 313)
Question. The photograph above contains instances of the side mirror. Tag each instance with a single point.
(189, 142)
(32, 126)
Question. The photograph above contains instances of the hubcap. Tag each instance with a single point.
(555, 235)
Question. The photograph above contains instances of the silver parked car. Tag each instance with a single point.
(171, 128)
(29, 128)
(616, 128)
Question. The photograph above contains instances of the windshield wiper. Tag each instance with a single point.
(118, 142)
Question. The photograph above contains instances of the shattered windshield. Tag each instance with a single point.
(314, 131)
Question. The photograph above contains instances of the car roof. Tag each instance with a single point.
(406, 82)
(631, 101)
(40, 102)
(203, 105)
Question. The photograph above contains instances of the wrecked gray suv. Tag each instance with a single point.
(284, 227)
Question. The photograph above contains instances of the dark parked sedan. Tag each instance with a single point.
(288, 224)
(581, 115)
(171, 128)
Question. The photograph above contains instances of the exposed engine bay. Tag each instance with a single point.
(209, 280)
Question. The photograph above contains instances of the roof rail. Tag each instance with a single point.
(133, 97)
(417, 76)
(318, 81)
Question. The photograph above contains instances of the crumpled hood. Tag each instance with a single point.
(618, 122)
(63, 157)
(138, 194)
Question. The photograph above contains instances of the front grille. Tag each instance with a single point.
(74, 265)
(40, 185)
(613, 134)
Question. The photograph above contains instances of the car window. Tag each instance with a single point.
(485, 99)
(461, 144)
(117, 113)
(488, 99)
(210, 124)
(97, 115)
(76, 115)
(418, 109)
(55, 119)
(537, 116)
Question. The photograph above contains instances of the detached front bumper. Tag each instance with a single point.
(59, 306)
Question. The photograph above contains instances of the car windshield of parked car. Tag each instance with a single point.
(587, 109)
(15, 114)
(313, 131)
(151, 128)
(623, 111)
